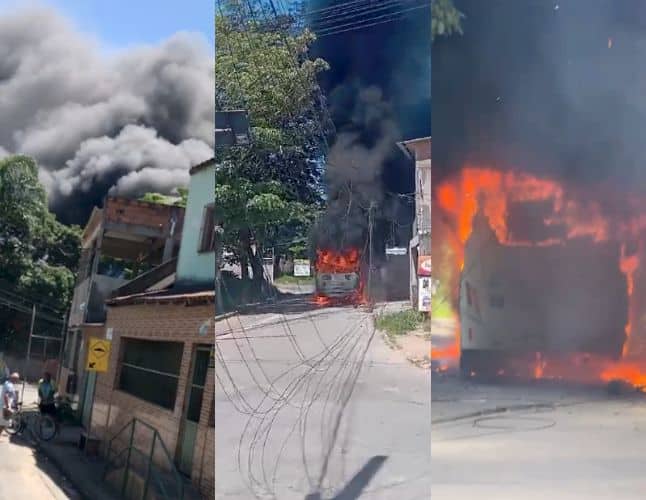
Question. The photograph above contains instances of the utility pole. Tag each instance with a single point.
(370, 249)
(62, 346)
(219, 303)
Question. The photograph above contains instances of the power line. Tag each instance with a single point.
(361, 11)
(337, 6)
(25, 298)
(385, 18)
(16, 306)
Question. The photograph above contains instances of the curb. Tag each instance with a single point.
(222, 317)
(494, 411)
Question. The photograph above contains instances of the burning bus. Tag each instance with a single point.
(337, 276)
(557, 300)
(546, 280)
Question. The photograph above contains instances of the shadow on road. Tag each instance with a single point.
(46, 467)
(358, 483)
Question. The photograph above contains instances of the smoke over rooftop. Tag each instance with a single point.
(122, 124)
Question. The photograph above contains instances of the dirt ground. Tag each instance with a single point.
(415, 345)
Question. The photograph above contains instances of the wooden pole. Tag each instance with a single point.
(370, 249)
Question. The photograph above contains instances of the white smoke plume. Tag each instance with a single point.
(124, 123)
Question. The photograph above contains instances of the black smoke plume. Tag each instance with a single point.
(379, 91)
(548, 87)
(123, 123)
(354, 168)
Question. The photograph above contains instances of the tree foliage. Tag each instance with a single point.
(164, 199)
(269, 192)
(38, 255)
(446, 20)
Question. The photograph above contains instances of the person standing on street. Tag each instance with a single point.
(8, 396)
(46, 393)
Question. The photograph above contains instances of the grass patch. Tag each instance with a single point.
(399, 323)
(288, 279)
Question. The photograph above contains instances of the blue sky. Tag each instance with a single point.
(120, 23)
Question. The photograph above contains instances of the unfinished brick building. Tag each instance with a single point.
(151, 413)
(122, 240)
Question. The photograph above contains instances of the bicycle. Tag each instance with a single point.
(46, 428)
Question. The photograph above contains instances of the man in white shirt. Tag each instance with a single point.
(8, 397)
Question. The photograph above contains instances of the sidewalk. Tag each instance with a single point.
(414, 345)
(85, 473)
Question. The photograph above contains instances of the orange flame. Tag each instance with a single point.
(330, 261)
(493, 192)
(539, 366)
(628, 265)
(631, 373)
(348, 261)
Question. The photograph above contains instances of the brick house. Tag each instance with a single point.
(160, 380)
(119, 241)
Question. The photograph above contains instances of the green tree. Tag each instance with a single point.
(163, 199)
(446, 20)
(268, 193)
(257, 213)
(38, 255)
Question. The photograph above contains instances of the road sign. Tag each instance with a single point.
(396, 251)
(302, 267)
(98, 355)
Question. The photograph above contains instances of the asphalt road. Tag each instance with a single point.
(574, 443)
(318, 400)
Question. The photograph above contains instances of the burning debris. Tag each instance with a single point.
(551, 274)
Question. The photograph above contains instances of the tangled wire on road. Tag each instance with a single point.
(288, 408)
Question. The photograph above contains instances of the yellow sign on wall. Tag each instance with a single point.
(98, 355)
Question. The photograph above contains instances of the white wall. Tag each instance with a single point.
(192, 265)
